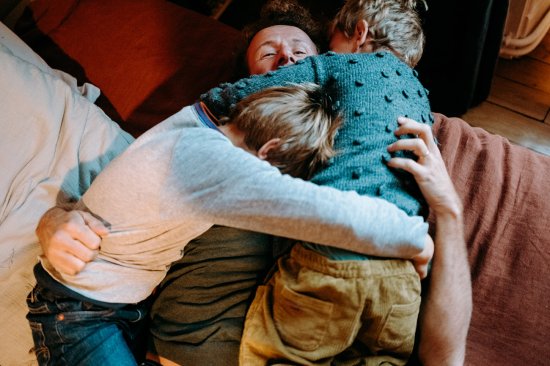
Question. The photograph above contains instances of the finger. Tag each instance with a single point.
(82, 252)
(410, 126)
(94, 223)
(69, 246)
(66, 263)
(81, 232)
(407, 165)
(417, 146)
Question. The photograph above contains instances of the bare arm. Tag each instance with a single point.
(446, 311)
(69, 239)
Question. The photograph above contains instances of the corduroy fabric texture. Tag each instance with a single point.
(315, 311)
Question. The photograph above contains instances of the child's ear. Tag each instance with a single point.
(361, 34)
(271, 144)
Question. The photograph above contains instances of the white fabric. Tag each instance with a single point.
(17, 47)
(52, 140)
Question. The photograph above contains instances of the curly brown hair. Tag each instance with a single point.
(281, 12)
(286, 12)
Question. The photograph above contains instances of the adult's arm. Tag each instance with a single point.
(71, 238)
(447, 308)
(227, 186)
(446, 311)
(185, 171)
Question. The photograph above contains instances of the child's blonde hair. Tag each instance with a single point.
(393, 25)
(300, 115)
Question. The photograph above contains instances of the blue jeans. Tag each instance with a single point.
(73, 332)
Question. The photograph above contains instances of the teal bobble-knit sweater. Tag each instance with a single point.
(370, 90)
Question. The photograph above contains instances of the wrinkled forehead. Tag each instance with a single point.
(280, 34)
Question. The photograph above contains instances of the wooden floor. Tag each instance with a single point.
(519, 104)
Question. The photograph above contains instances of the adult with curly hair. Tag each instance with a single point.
(198, 316)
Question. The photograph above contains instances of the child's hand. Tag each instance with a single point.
(421, 261)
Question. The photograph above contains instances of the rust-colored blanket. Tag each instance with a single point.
(505, 191)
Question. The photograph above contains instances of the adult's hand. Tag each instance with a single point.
(447, 308)
(429, 170)
(69, 239)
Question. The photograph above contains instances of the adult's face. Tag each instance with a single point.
(276, 46)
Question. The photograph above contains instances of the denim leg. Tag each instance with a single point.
(72, 332)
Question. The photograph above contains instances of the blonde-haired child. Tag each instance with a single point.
(324, 304)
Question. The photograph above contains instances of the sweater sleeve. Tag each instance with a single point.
(231, 187)
(221, 99)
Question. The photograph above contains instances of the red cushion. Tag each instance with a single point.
(143, 55)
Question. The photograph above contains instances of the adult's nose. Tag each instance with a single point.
(286, 58)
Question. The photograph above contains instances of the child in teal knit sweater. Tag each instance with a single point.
(327, 304)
